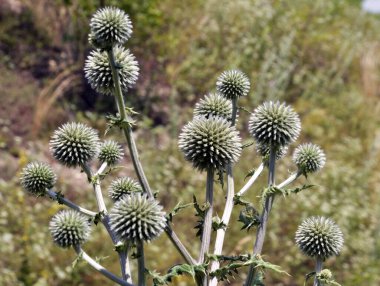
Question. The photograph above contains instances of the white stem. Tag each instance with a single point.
(220, 233)
(101, 169)
(318, 269)
(97, 189)
(254, 177)
(289, 180)
(207, 223)
(54, 196)
(100, 268)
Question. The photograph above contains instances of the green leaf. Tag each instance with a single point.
(250, 174)
(200, 213)
(76, 261)
(217, 223)
(250, 217)
(177, 209)
(116, 121)
(98, 217)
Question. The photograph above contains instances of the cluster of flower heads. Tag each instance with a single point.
(110, 28)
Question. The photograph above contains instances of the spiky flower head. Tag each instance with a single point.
(233, 84)
(210, 143)
(97, 70)
(214, 105)
(264, 152)
(110, 26)
(274, 124)
(123, 186)
(110, 152)
(309, 158)
(74, 144)
(136, 217)
(36, 177)
(319, 237)
(69, 228)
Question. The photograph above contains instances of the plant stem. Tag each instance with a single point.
(254, 177)
(135, 157)
(207, 224)
(99, 267)
(123, 259)
(220, 233)
(61, 200)
(141, 263)
(289, 180)
(318, 269)
(97, 189)
(260, 236)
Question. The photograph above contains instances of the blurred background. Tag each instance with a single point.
(323, 57)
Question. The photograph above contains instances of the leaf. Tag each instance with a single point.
(239, 201)
(273, 190)
(250, 217)
(117, 121)
(217, 223)
(220, 178)
(200, 212)
(176, 210)
(249, 174)
(76, 261)
(246, 145)
(98, 217)
(308, 276)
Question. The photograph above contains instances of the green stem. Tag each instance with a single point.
(260, 235)
(141, 263)
(135, 156)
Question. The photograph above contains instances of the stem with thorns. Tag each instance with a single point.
(260, 236)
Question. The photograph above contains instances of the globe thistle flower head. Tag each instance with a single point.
(136, 217)
(309, 158)
(36, 177)
(319, 237)
(74, 144)
(233, 84)
(123, 186)
(264, 152)
(210, 143)
(110, 26)
(214, 105)
(98, 72)
(69, 228)
(274, 124)
(110, 152)
(325, 275)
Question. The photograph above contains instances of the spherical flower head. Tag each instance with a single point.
(233, 84)
(136, 217)
(123, 186)
(210, 143)
(110, 26)
(274, 124)
(309, 158)
(264, 152)
(69, 228)
(110, 152)
(37, 177)
(98, 72)
(214, 105)
(319, 237)
(74, 144)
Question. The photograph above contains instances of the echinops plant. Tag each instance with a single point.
(211, 143)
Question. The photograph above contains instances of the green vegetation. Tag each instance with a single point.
(319, 55)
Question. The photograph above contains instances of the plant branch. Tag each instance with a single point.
(254, 177)
(97, 189)
(318, 268)
(207, 224)
(61, 200)
(260, 235)
(141, 263)
(135, 157)
(100, 268)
